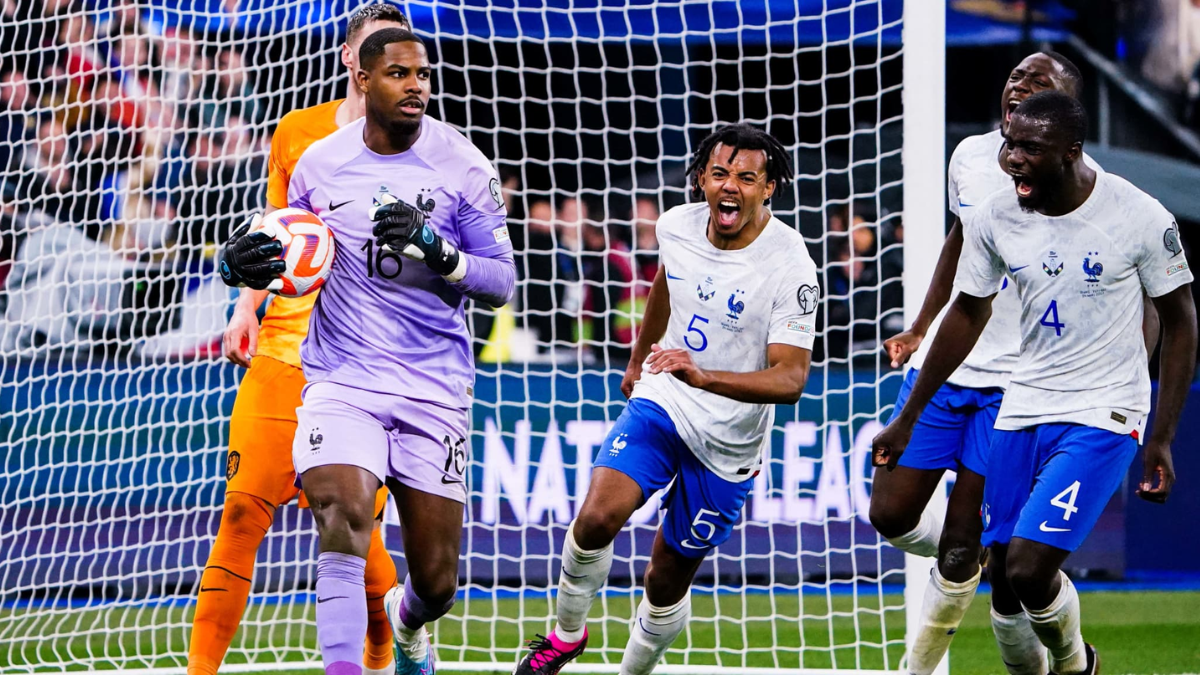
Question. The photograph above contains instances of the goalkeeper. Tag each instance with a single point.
(734, 305)
(388, 356)
(258, 468)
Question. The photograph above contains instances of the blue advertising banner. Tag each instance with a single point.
(114, 474)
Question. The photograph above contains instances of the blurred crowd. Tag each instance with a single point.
(586, 267)
(129, 149)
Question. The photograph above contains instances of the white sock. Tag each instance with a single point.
(924, 538)
(1057, 627)
(943, 609)
(389, 669)
(653, 631)
(583, 573)
(1023, 653)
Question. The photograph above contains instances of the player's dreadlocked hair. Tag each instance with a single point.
(377, 12)
(742, 137)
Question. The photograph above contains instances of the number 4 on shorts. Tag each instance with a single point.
(1069, 496)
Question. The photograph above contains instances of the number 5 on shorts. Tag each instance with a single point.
(698, 524)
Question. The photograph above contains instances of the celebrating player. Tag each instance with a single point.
(1079, 246)
(734, 305)
(388, 356)
(259, 467)
(954, 432)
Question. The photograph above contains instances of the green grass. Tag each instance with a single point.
(1136, 633)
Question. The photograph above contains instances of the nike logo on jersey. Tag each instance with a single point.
(674, 278)
(332, 597)
(1014, 270)
(961, 205)
(1046, 528)
(335, 207)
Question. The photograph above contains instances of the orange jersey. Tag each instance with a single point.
(286, 320)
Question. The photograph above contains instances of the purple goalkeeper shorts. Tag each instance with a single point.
(420, 444)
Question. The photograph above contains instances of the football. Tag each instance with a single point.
(307, 249)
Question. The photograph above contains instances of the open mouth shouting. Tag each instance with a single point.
(728, 213)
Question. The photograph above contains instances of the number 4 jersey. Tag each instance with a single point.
(726, 307)
(382, 322)
(1080, 279)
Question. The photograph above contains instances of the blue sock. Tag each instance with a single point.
(341, 612)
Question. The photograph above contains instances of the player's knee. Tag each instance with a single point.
(890, 523)
(339, 520)
(245, 519)
(437, 593)
(958, 561)
(1026, 577)
(595, 528)
(664, 586)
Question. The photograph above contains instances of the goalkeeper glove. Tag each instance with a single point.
(400, 227)
(252, 258)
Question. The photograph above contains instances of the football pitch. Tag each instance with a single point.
(1135, 632)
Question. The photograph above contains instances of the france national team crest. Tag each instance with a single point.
(736, 306)
(1092, 267)
(425, 202)
(1052, 267)
(618, 444)
(705, 290)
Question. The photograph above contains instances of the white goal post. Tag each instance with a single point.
(135, 137)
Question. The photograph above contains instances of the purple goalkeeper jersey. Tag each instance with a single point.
(384, 323)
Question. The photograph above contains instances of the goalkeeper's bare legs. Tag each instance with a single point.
(586, 560)
(432, 529)
(342, 499)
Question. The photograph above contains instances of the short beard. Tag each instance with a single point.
(404, 127)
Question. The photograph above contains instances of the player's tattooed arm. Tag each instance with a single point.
(961, 328)
(1177, 366)
(901, 347)
(654, 326)
(782, 382)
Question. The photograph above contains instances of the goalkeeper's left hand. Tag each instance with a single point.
(401, 227)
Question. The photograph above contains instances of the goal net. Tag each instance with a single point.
(136, 138)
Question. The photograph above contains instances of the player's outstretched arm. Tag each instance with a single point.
(901, 347)
(964, 322)
(654, 326)
(1176, 369)
(781, 382)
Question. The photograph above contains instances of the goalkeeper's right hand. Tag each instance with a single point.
(252, 258)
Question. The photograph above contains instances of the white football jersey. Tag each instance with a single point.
(726, 307)
(1079, 278)
(974, 175)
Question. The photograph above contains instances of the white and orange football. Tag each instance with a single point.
(307, 249)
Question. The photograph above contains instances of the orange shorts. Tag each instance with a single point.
(261, 432)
